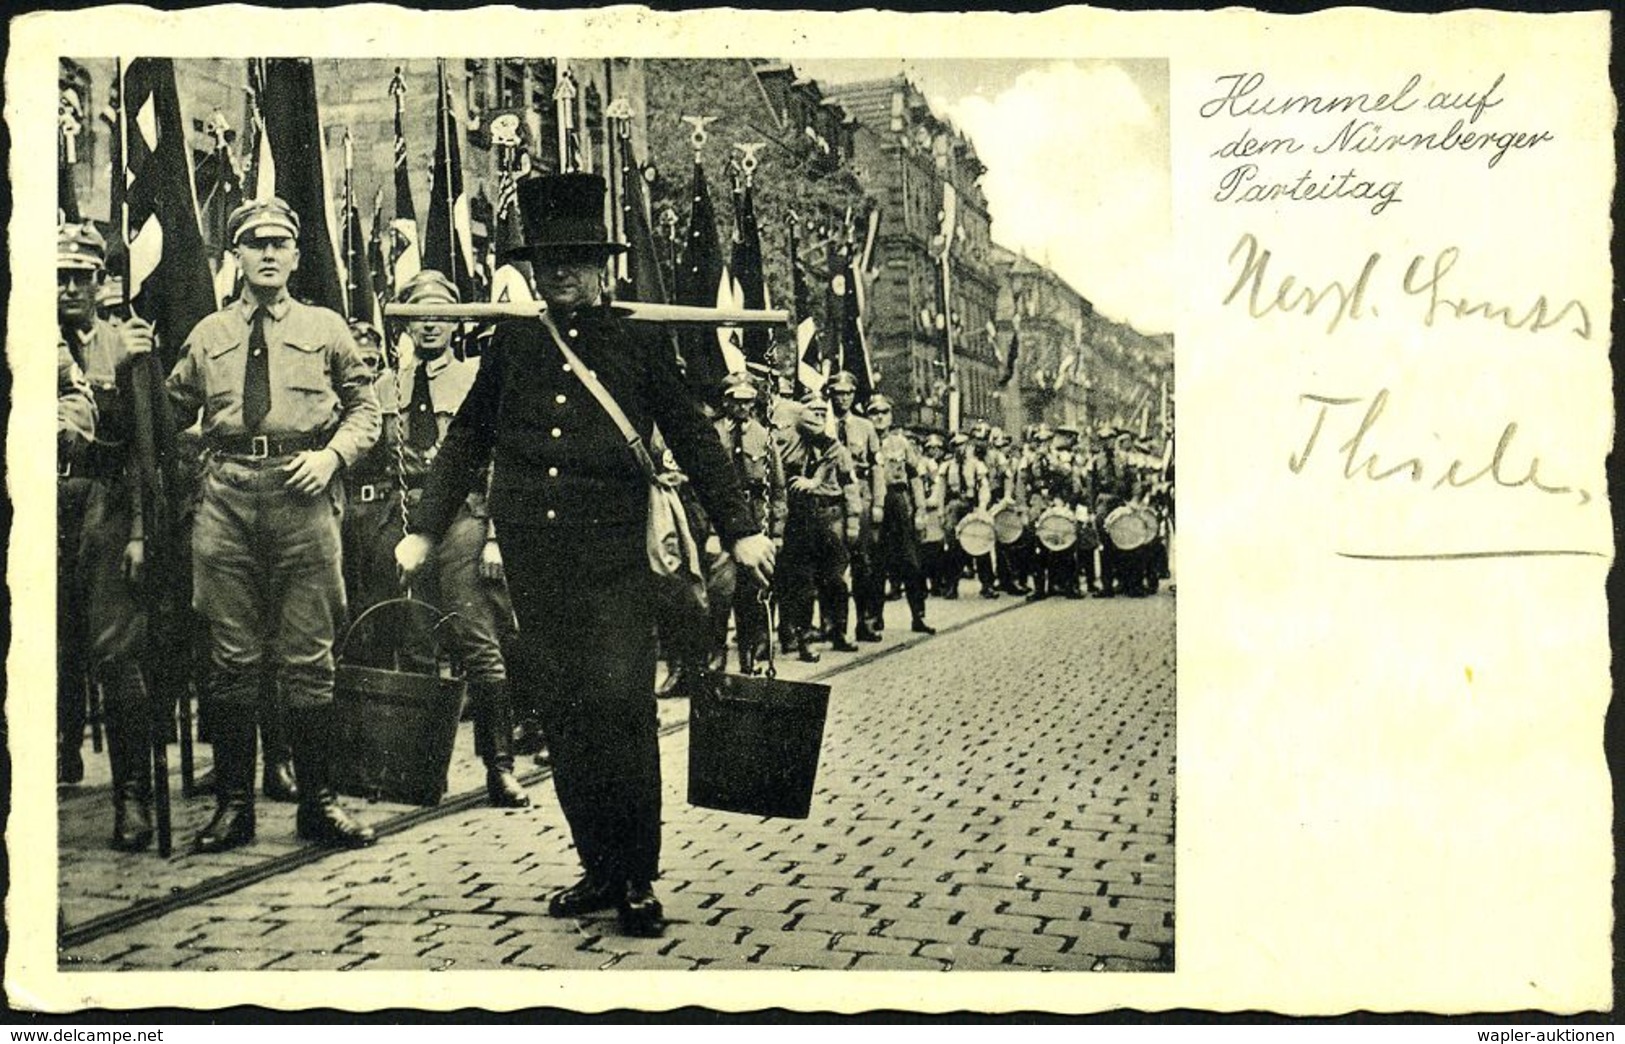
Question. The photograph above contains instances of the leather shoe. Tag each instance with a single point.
(921, 627)
(641, 913)
(868, 634)
(842, 645)
(279, 783)
(587, 895)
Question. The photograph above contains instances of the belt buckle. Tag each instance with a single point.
(369, 493)
(259, 447)
(64, 469)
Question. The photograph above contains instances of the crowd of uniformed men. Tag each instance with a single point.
(309, 463)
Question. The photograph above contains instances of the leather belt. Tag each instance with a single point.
(264, 447)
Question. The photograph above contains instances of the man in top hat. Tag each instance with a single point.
(569, 502)
(464, 573)
(286, 403)
(756, 462)
(900, 466)
(819, 531)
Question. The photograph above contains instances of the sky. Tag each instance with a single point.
(1078, 165)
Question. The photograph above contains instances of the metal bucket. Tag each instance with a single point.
(396, 728)
(753, 742)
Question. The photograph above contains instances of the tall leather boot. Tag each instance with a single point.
(234, 742)
(493, 741)
(280, 782)
(313, 731)
(128, 750)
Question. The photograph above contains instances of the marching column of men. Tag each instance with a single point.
(315, 447)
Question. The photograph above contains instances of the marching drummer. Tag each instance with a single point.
(966, 489)
(1004, 475)
(1048, 484)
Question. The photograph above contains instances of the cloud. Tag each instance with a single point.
(1078, 177)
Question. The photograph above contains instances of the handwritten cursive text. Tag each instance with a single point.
(1425, 278)
(1361, 462)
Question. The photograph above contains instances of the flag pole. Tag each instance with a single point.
(145, 384)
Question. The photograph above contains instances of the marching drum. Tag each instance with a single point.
(1009, 522)
(975, 533)
(1057, 529)
(1130, 527)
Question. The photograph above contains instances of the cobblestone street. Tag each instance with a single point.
(998, 796)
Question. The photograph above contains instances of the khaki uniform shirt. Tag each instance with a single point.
(319, 382)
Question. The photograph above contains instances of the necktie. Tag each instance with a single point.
(422, 431)
(256, 374)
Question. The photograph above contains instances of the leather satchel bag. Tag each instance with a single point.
(674, 554)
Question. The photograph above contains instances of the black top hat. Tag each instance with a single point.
(563, 215)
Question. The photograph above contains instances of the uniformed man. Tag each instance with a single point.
(863, 445)
(1047, 483)
(901, 468)
(933, 532)
(569, 499)
(372, 522)
(756, 461)
(111, 552)
(965, 489)
(821, 527)
(1004, 475)
(1069, 568)
(1110, 482)
(79, 261)
(464, 574)
(286, 402)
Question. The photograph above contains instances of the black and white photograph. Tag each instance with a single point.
(615, 513)
(680, 523)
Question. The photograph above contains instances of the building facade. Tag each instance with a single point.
(913, 161)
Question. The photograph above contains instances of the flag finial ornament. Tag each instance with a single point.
(748, 163)
(700, 136)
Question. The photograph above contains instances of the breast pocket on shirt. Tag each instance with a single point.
(224, 378)
(307, 368)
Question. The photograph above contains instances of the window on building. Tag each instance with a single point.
(477, 93)
(510, 82)
(592, 111)
(544, 77)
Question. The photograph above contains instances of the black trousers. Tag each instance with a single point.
(585, 602)
(813, 565)
(868, 576)
(900, 550)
